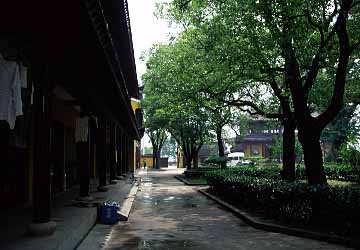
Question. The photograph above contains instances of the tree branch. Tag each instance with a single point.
(258, 111)
(341, 72)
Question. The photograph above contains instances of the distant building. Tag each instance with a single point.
(164, 161)
(259, 136)
(206, 151)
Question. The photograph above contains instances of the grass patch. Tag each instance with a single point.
(336, 183)
(196, 181)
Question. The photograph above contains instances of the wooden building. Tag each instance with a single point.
(259, 136)
(75, 124)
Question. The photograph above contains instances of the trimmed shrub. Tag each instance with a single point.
(341, 172)
(198, 172)
(295, 203)
(217, 160)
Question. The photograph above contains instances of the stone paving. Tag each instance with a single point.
(73, 221)
(170, 216)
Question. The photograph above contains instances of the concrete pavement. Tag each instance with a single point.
(169, 215)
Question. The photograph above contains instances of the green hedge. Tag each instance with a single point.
(270, 172)
(199, 172)
(339, 172)
(294, 202)
(333, 172)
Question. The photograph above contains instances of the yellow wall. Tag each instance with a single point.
(135, 104)
(249, 149)
(180, 158)
(149, 161)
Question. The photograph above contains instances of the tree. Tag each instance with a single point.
(239, 73)
(155, 125)
(169, 148)
(168, 93)
(157, 138)
(343, 127)
(290, 44)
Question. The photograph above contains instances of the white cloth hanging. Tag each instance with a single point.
(10, 91)
(82, 129)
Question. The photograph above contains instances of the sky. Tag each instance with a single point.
(146, 29)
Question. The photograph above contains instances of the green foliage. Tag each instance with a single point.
(338, 172)
(340, 130)
(217, 160)
(294, 202)
(255, 160)
(350, 155)
(169, 148)
(277, 59)
(341, 172)
(169, 100)
(199, 172)
(148, 150)
(269, 172)
(276, 150)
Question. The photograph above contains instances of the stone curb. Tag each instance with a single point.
(247, 218)
(125, 209)
(124, 213)
(178, 177)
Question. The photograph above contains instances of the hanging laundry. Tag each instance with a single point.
(10, 91)
(82, 129)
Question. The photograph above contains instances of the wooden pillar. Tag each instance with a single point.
(92, 144)
(131, 156)
(101, 153)
(127, 155)
(112, 156)
(83, 151)
(84, 164)
(118, 151)
(41, 144)
(123, 153)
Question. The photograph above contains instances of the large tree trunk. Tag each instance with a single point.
(220, 145)
(154, 157)
(314, 165)
(220, 142)
(288, 171)
(196, 159)
(158, 159)
(188, 160)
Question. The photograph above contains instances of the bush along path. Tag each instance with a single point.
(330, 209)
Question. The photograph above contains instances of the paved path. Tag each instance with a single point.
(170, 216)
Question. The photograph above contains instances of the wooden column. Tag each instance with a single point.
(41, 145)
(131, 156)
(123, 153)
(112, 156)
(127, 155)
(118, 151)
(84, 164)
(101, 153)
(92, 144)
(83, 153)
